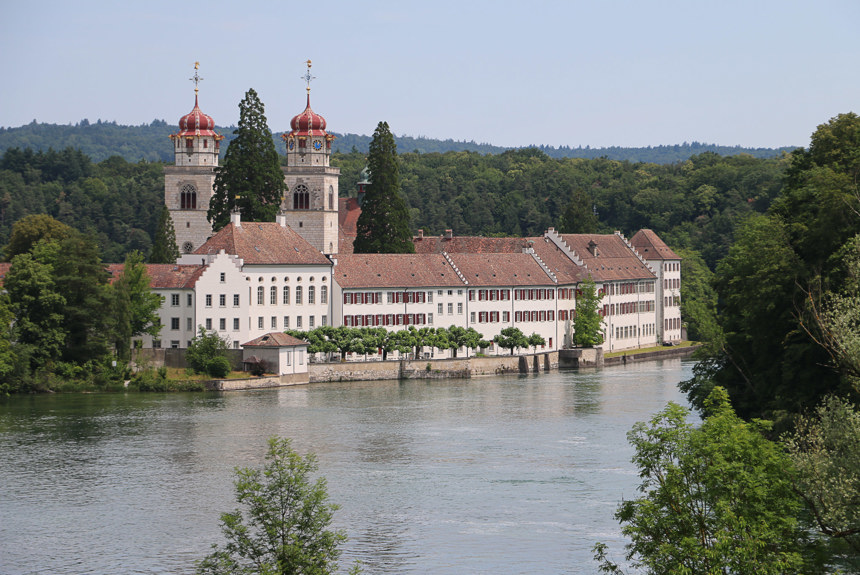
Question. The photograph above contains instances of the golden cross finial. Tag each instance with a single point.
(196, 78)
(307, 77)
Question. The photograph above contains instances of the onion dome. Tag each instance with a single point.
(196, 123)
(308, 123)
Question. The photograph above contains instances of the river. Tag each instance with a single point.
(498, 475)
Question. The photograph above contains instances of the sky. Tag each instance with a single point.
(754, 73)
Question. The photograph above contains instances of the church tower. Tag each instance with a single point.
(311, 201)
(188, 183)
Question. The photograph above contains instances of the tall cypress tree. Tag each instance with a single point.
(164, 248)
(383, 226)
(250, 177)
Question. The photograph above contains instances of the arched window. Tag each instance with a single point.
(301, 198)
(324, 294)
(298, 295)
(261, 295)
(273, 296)
(188, 197)
(312, 296)
(286, 295)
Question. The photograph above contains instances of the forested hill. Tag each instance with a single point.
(149, 142)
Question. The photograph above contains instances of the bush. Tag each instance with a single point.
(260, 368)
(204, 349)
(218, 366)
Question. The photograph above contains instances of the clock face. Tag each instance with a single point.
(317, 145)
(292, 144)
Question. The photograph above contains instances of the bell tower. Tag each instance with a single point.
(188, 183)
(311, 201)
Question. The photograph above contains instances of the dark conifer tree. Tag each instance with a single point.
(250, 177)
(383, 227)
(164, 249)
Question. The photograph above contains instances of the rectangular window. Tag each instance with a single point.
(439, 308)
(472, 317)
(188, 325)
(471, 295)
(222, 300)
(223, 277)
(209, 323)
(429, 297)
(235, 324)
(430, 318)
(156, 344)
(451, 308)
(506, 316)
(324, 320)
(261, 295)
(235, 300)
(311, 320)
(188, 302)
(222, 324)
(286, 322)
(459, 308)
(174, 323)
(209, 300)
(174, 299)
(274, 322)
(174, 343)
(260, 322)
(298, 322)
(273, 295)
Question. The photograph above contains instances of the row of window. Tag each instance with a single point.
(542, 315)
(628, 331)
(285, 295)
(629, 307)
(673, 323)
(672, 283)
(381, 319)
(631, 288)
(174, 299)
(671, 301)
(672, 266)
(439, 308)
(490, 294)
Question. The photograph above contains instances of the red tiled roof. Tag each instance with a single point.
(557, 261)
(468, 244)
(506, 269)
(394, 270)
(651, 247)
(164, 276)
(615, 260)
(4, 269)
(263, 243)
(275, 339)
(347, 215)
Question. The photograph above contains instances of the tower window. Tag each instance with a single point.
(205, 143)
(189, 142)
(301, 198)
(188, 197)
(331, 197)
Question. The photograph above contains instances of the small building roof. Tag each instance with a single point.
(651, 247)
(263, 243)
(275, 339)
(164, 276)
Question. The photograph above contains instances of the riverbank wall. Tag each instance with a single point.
(666, 353)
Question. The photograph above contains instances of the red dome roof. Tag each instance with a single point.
(308, 123)
(196, 123)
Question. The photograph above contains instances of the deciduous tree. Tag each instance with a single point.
(250, 177)
(715, 499)
(135, 305)
(283, 527)
(587, 321)
(510, 338)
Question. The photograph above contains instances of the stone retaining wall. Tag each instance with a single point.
(667, 353)
(257, 382)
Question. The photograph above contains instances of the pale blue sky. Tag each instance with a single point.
(598, 73)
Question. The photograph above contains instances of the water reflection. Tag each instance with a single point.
(495, 475)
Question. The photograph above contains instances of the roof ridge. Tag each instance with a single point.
(559, 241)
(455, 268)
(544, 267)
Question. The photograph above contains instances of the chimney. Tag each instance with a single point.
(449, 234)
(281, 219)
(420, 234)
(236, 219)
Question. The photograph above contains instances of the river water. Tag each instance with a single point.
(500, 475)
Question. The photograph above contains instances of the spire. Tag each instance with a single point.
(197, 79)
(307, 78)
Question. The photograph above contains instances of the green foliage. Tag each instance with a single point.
(587, 321)
(249, 178)
(134, 305)
(715, 499)
(825, 448)
(535, 340)
(383, 226)
(164, 248)
(208, 354)
(511, 338)
(579, 217)
(283, 526)
(698, 298)
(30, 229)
